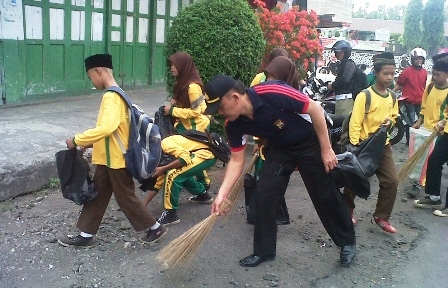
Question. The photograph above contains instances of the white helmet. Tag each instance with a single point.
(418, 52)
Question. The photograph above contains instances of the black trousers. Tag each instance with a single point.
(438, 157)
(324, 193)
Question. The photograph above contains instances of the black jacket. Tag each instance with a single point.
(343, 83)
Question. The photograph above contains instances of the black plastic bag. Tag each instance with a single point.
(164, 122)
(348, 173)
(73, 172)
(250, 184)
(370, 151)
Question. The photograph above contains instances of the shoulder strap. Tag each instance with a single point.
(368, 101)
(430, 86)
(125, 97)
(394, 96)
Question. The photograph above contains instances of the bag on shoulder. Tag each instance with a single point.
(345, 137)
(216, 143)
(359, 81)
(164, 122)
(144, 149)
(73, 172)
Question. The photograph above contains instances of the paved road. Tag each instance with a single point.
(32, 133)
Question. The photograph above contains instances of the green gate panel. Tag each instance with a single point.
(54, 68)
(34, 73)
(158, 65)
(128, 64)
(115, 51)
(75, 69)
(141, 66)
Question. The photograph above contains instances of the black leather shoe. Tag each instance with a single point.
(282, 221)
(348, 253)
(254, 260)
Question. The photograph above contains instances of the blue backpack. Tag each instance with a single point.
(144, 151)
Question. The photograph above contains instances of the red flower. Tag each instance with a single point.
(293, 30)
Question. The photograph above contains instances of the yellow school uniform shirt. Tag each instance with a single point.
(182, 148)
(434, 106)
(381, 107)
(192, 118)
(113, 115)
(260, 77)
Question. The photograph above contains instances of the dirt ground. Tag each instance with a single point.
(306, 257)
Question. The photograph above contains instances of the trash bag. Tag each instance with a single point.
(370, 151)
(348, 173)
(250, 185)
(164, 122)
(73, 172)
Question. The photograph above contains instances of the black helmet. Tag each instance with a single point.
(344, 46)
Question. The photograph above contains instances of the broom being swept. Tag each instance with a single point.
(271, 111)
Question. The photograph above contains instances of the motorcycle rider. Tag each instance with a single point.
(343, 84)
(412, 82)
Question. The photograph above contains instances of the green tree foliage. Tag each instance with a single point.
(412, 28)
(391, 13)
(222, 37)
(433, 25)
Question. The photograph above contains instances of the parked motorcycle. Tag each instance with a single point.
(402, 122)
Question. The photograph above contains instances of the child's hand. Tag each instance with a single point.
(440, 126)
(159, 171)
(386, 122)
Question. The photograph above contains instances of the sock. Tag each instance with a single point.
(85, 235)
(155, 226)
(434, 198)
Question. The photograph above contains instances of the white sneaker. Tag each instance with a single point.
(441, 213)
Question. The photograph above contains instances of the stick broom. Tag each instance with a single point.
(182, 249)
(415, 158)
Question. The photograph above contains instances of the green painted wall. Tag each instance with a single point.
(34, 69)
(14, 65)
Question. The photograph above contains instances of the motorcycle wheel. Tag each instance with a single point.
(397, 132)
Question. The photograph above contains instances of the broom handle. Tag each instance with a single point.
(238, 185)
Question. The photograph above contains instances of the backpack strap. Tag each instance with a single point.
(123, 95)
(128, 101)
(430, 86)
(368, 101)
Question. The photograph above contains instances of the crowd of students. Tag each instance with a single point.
(291, 129)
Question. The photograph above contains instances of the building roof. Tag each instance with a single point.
(395, 26)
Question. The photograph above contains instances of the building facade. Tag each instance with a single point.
(43, 43)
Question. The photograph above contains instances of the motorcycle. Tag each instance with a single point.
(315, 88)
(402, 122)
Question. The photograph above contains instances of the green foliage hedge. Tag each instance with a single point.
(222, 37)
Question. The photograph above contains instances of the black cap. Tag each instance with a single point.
(440, 57)
(215, 89)
(98, 60)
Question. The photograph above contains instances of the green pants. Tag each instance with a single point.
(184, 177)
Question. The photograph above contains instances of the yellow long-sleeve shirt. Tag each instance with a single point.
(260, 77)
(113, 115)
(181, 148)
(192, 118)
(381, 107)
(434, 106)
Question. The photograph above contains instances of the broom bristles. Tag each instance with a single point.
(182, 249)
(415, 158)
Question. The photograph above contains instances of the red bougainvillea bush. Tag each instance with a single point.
(292, 30)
